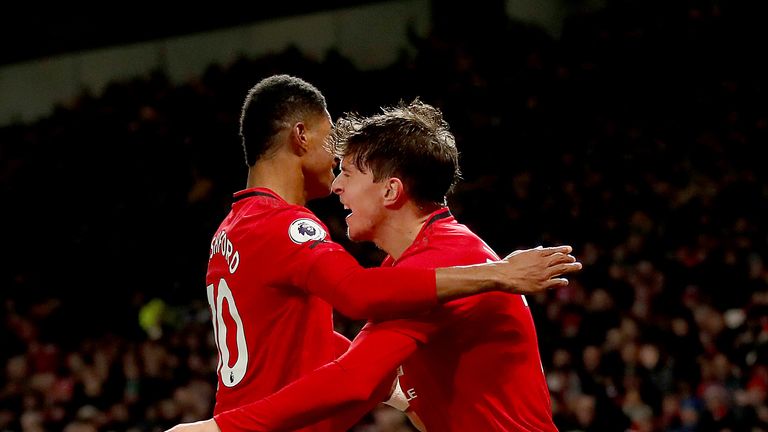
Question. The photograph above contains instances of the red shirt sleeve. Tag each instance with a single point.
(374, 293)
(361, 375)
(341, 344)
(321, 267)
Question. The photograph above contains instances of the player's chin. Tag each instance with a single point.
(357, 233)
(352, 233)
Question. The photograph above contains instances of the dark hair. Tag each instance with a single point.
(408, 141)
(272, 104)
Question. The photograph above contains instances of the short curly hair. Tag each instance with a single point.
(270, 105)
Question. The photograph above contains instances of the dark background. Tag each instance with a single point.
(36, 30)
(636, 137)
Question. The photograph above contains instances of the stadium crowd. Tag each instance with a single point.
(640, 126)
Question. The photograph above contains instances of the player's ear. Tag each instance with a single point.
(394, 191)
(298, 138)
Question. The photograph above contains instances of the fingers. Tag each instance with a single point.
(559, 258)
(565, 268)
(543, 251)
(557, 283)
(546, 251)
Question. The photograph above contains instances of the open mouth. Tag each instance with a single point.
(350, 211)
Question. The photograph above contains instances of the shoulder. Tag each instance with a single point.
(303, 226)
(294, 223)
(449, 245)
(285, 232)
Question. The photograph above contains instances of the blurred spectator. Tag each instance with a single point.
(651, 113)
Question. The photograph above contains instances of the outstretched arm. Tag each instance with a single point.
(357, 376)
(526, 271)
(373, 293)
(386, 293)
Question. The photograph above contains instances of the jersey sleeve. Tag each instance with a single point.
(317, 265)
(363, 375)
(419, 330)
(340, 344)
(373, 293)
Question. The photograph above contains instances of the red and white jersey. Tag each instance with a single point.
(273, 274)
(268, 330)
(478, 366)
(469, 365)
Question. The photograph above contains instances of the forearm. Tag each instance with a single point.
(352, 413)
(339, 386)
(522, 272)
(309, 400)
(387, 293)
(457, 282)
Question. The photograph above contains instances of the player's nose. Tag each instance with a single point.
(336, 185)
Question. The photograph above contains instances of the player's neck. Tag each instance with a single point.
(280, 174)
(400, 228)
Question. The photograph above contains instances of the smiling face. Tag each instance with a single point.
(363, 197)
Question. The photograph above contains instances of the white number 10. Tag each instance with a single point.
(230, 376)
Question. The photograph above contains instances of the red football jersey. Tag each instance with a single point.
(478, 367)
(272, 272)
(471, 364)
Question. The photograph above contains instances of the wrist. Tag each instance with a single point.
(457, 282)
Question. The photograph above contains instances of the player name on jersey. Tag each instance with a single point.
(222, 245)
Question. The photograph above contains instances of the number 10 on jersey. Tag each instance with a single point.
(230, 375)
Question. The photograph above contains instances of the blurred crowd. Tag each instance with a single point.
(634, 137)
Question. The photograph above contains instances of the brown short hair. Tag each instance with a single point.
(408, 141)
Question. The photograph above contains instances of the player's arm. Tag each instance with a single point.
(415, 420)
(358, 376)
(360, 293)
(384, 293)
(200, 426)
(526, 271)
(340, 344)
